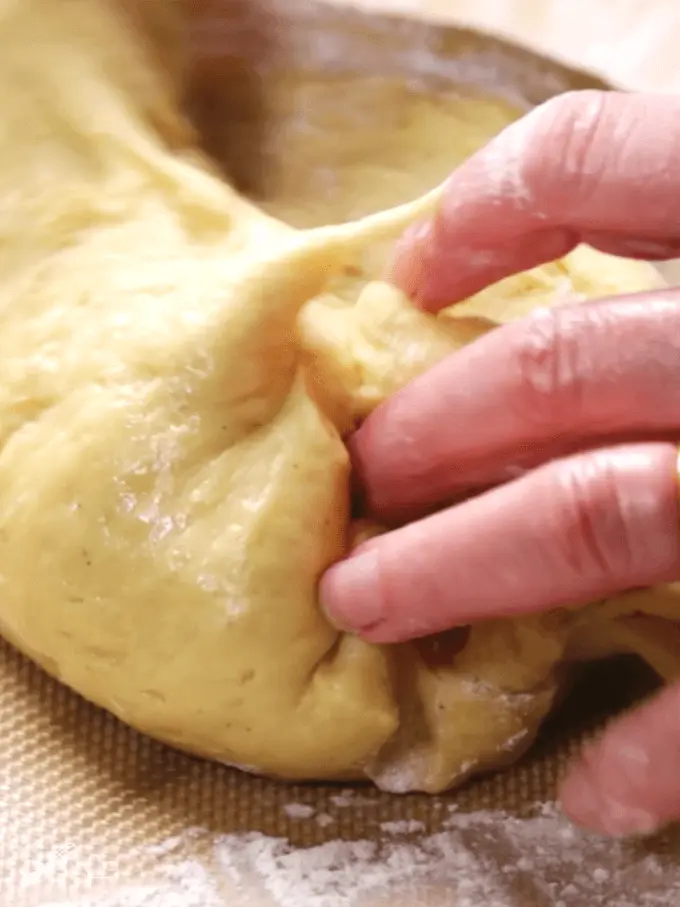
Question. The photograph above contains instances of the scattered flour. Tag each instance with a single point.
(489, 859)
(299, 811)
(347, 798)
(406, 827)
(343, 800)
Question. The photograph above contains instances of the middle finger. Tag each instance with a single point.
(557, 381)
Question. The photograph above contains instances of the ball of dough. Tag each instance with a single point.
(175, 384)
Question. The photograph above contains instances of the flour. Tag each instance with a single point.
(487, 858)
(405, 827)
(343, 800)
(349, 798)
(299, 811)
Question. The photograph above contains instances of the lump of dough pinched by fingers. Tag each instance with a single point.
(173, 479)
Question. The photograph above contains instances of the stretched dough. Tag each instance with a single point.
(175, 381)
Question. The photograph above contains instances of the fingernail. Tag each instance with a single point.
(592, 808)
(350, 592)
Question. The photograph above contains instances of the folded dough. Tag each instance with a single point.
(175, 380)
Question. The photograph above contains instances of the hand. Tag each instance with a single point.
(576, 405)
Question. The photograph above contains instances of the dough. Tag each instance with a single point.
(175, 380)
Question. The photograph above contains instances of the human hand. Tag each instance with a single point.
(575, 405)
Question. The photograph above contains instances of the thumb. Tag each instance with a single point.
(628, 783)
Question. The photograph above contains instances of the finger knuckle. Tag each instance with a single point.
(548, 372)
(573, 124)
(597, 538)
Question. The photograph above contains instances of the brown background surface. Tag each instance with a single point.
(94, 813)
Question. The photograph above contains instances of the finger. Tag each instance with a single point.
(572, 531)
(551, 383)
(595, 167)
(628, 783)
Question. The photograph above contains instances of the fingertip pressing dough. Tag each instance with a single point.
(176, 377)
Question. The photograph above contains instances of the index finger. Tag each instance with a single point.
(594, 167)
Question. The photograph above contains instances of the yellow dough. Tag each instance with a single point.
(173, 479)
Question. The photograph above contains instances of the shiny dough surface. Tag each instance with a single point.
(178, 367)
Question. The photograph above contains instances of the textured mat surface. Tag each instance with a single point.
(95, 814)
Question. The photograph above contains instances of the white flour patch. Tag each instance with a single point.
(344, 800)
(405, 827)
(299, 811)
(488, 858)
(350, 798)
